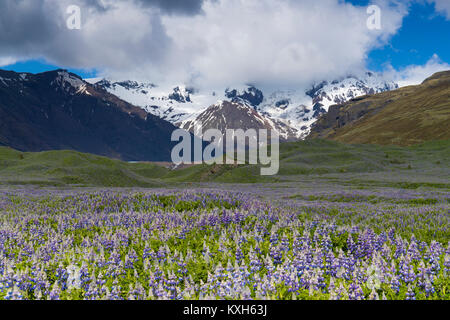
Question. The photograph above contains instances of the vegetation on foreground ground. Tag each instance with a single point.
(225, 245)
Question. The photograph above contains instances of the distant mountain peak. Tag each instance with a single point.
(345, 89)
(249, 95)
(225, 115)
(181, 94)
(69, 81)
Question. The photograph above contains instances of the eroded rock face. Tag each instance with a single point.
(182, 95)
(340, 115)
(251, 96)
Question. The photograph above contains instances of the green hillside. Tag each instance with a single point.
(57, 168)
(312, 158)
(406, 116)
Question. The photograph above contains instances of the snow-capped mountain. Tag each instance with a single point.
(338, 92)
(300, 109)
(173, 104)
(291, 111)
(236, 115)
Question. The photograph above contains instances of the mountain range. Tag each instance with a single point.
(133, 121)
(58, 110)
(290, 112)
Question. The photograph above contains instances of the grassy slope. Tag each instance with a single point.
(297, 159)
(408, 116)
(74, 168)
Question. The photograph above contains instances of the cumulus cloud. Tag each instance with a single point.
(415, 74)
(114, 34)
(5, 61)
(442, 6)
(285, 42)
(200, 42)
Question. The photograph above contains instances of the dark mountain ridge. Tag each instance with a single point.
(57, 110)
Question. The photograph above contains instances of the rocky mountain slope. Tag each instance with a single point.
(405, 116)
(236, 115)
(58, 110)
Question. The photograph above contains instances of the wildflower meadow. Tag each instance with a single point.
(209, 244)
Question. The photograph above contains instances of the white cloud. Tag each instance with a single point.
(5, 61)
(120, 36)
(281, 43)
(285, 42)
(442, 6)
(415, 74)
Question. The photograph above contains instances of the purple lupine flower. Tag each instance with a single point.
(410, 295)
(355, 292)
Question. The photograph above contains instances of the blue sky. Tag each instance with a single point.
(424, 33)
(40, 65)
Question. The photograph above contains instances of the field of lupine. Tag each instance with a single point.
(206, 244)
